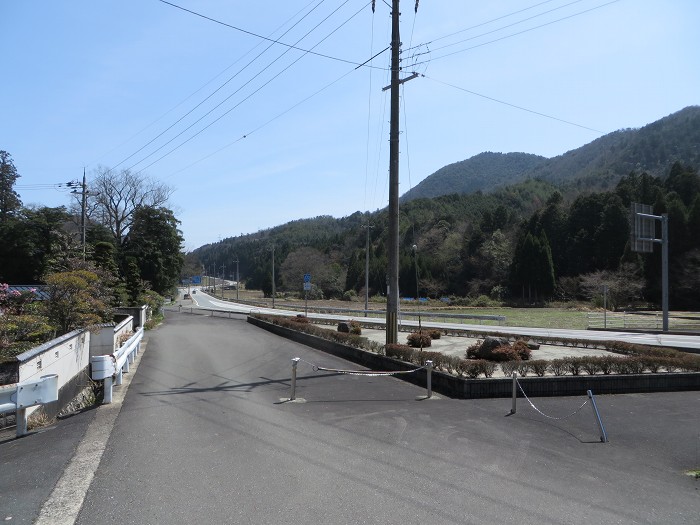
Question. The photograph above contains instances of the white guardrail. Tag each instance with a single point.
(109, 368)
(19, 397)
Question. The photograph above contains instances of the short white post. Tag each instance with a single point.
(603, 435)
(515, 392)
(293, 394)
(107, 397)
(429, 381)
(21, 420)
(118, 377)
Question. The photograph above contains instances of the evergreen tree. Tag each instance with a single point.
(10, 202)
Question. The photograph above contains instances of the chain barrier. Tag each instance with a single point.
(545, 415)
(369, 373)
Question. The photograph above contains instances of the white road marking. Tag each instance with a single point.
(67, 498)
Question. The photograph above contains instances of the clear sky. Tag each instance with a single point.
(254, 133)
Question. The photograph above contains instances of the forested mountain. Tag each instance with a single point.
(561, 232)
(597, 165)
(484, 172)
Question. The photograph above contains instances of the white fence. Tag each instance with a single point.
(109, 368)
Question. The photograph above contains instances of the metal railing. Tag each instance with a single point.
(109, 368)
(641, 321)
(19, 397)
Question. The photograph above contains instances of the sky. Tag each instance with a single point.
(256, 113)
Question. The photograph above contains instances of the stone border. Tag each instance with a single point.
(465, 388)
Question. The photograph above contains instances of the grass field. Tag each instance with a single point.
(564, 317)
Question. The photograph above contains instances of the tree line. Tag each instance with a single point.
(132, 252)
(527, 243)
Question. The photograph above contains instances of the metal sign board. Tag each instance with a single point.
(643, 229)
(307, 287)
(307, 277)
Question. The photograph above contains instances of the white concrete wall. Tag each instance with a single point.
(105, 341)
(66, 356)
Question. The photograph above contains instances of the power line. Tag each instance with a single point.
(250, 95)
(274, 41)
(516, 34)
(202, 87)
(211, 95)
(514, 105)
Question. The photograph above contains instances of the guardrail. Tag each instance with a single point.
(19, 397)
(641, 321)
(109, 368)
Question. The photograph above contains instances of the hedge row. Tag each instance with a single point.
(473, 368)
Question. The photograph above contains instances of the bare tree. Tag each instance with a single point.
(115, 196)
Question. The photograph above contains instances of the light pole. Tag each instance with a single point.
(238, 282)
(415, 261)
(273, 276)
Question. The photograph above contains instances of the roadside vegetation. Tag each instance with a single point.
(131, 255)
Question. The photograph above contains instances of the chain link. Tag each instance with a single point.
(545, 415)
(369, 373)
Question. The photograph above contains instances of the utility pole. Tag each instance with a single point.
(223, 279)
(238, 281)
(368, 226)
(392, 293)
(273, 276)
(83, 206)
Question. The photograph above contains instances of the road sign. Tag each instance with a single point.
(307, 277)
(307, 287)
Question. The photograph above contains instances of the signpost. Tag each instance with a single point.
(643, 237)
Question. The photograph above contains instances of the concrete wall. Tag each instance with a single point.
(105, 340)
(464, 388)
(68, 356)
(141, 314)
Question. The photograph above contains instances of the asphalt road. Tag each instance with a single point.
(204, 436)
(687, 342)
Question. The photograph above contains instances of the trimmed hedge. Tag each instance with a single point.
(636, 359)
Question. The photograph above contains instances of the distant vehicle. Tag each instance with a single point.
(194, 291)
(188, 296)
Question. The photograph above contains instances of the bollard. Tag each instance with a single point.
(429, 367)
(293, 394)
(515, 392)
(107, 398)
(603, 435)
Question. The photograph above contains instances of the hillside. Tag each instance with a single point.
(597, 165)
(484, 172)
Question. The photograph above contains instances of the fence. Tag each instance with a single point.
(109, 368)
(642, 321)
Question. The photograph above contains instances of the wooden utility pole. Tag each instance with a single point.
(392, 293)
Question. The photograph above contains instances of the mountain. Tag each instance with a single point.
(597, 165)
(484, 171)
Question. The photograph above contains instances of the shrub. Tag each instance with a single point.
(558, 367)
(591, 366)
(473, 350)
(434, 333)
(635, 365)
(419, 340)
(355, 327)
(488, 367)
(523, 350)
(435, 357)
(508, 367)
(399, 351)
(574, 365)
(503, 353)
(470, 367)
(301, 319)
(539, 367)
(523, 369)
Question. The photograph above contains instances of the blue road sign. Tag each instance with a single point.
(307, 277)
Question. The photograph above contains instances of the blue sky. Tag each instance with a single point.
(104, 83)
